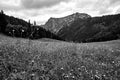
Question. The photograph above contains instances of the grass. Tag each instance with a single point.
(22, 59)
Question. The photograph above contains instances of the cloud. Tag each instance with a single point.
(118, 10)
(42, 10)
(9, 5)
(106, 7)
(113, 2)
(36, 4)
(102, 7)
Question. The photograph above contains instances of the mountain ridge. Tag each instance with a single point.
(55, 24)
(78, 27)
(94, 29)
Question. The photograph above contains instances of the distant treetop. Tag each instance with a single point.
(2, 12)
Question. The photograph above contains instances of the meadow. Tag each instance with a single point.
(46, 59)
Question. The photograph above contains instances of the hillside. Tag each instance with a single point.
(55, 24)
(22, 59)
(93, 29)
(16, 21)
(16, 27)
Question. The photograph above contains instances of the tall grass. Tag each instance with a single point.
(21, 59)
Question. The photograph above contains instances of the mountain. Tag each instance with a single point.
(55, 24)
(78, 27)
(92, 29)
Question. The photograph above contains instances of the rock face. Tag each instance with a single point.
(55, 24)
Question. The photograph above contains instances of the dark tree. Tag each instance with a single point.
(3, 22)
(34, 22)
(29, 25)
(2, 12)
(29, 28)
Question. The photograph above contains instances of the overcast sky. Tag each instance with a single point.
(42, 10)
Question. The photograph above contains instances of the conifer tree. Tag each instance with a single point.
(34, 22)
(3, 22)
(29, 28)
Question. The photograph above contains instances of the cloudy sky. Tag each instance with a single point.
(41, 10)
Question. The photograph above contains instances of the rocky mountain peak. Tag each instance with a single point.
(81, 15)
(55, 24)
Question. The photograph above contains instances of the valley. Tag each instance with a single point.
(75, 47)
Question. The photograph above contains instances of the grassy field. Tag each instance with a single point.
(23, 59)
